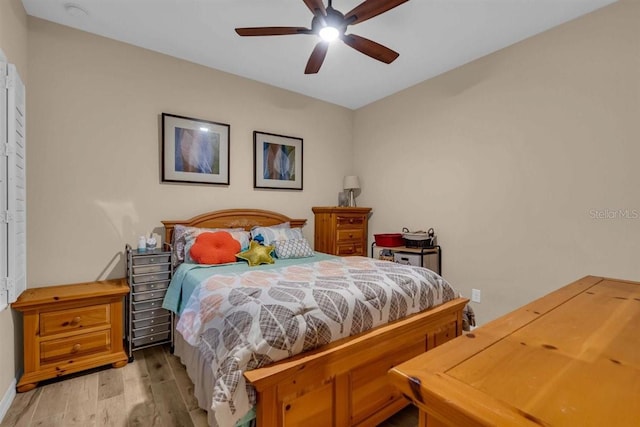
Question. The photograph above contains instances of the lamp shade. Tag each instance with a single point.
(351, 182)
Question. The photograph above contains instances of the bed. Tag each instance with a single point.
(341, 383)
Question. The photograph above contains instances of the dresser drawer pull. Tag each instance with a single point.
(350, 220)
(74, 322)
(75, 348)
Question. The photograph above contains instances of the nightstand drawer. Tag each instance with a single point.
(54, 322)
(151, 286)
(151, 268)
(151, 259)
(76, 346)
(351, 234)
(350, 249)
(350, 221)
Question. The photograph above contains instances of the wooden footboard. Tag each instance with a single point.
(345, 383)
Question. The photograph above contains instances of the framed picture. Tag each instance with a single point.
(194, 150)
(277, 161)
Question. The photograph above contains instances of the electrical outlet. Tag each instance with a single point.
(475, 295)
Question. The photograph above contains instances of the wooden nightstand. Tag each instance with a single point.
(341, 231)
(70, 328)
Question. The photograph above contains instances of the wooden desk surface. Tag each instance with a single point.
(570, 358)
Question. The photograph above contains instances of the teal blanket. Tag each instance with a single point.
(188, 276)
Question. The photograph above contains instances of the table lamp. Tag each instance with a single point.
(351, 183)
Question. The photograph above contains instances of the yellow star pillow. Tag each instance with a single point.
(257, 254)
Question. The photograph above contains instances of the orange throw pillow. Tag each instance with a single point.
(215, 248)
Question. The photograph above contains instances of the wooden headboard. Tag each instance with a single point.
(232, 218)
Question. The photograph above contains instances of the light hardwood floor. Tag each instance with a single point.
(153, 390)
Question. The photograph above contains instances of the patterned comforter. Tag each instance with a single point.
(249, 320)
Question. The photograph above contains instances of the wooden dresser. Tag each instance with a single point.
(570, 358)
(341, 231)
(70, 328)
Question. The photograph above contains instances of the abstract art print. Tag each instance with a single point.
(277, 161)
(194, 150)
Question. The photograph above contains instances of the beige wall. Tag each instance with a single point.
(505, 156)
(508, 156)
(13, 42)
(94, 174)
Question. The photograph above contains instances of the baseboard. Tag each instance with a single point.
(7, 399)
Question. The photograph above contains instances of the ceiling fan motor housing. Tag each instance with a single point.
(333, 19)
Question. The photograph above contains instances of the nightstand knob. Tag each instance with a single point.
(75, 348)
(151, 260)
(75, 320)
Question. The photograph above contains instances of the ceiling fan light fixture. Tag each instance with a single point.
(329, 34)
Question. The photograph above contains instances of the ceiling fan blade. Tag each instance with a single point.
(316, 7)
(317, 58)
(370, 8)
(272, 31)
(370, 48)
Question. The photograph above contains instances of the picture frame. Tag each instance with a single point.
(195, 150)
(277, 161)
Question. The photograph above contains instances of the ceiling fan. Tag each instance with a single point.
(330, 25)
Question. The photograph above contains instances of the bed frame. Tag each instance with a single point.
(345, 382)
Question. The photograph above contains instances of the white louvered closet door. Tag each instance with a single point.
(4, 293)
(13, 185)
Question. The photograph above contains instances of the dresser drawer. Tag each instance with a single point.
(151, 286)
(145, 314)
(151, 259)
(151, 268)
(151, 321)
(54, 322)
(147, 305)
(144, 296)
(153, 277)
(76, 346)
(350, 249)
(343, 221)
(350, 234)
(150, 339)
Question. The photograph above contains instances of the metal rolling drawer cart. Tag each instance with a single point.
(148, 274)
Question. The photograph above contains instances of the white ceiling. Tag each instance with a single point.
(432, 36)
